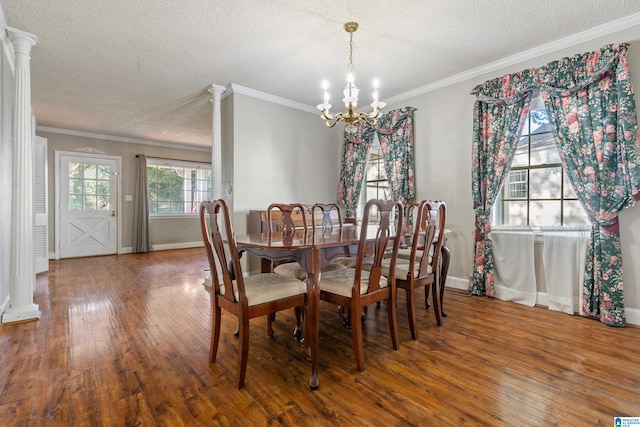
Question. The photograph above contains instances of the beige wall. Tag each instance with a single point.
(280, 154)
(443, 126)
(169, 231)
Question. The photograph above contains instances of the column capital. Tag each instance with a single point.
(22, 41)
(216, 91)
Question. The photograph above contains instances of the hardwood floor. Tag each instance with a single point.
(124, 340)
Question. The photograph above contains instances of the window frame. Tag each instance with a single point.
(375, 145)
(498, 216)
(156, 162)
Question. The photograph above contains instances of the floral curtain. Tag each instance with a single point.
(498, 117)
(591, 104)
(395, 132)
(355, 152)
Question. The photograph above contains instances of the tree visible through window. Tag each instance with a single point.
(177, 188)
(537, 191)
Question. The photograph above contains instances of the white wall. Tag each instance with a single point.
(443, 126)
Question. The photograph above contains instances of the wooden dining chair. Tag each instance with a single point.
(445, 255)
(244, 297)
(356, 288)
(327, 220)
(420, 269)
(294, 269)
(293, 216)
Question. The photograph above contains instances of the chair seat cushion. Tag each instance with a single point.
(406, 254)
(341, 281)
(402, 268)
(349, 262)
(295, 271)
(266, 287)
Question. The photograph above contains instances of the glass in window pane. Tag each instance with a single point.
(103, 203)
(89, 187)
(75, 170)
(525, 129)
(539, 121)
(568, 191)
(75, 186)
(545, 183)
(90, 171)
(153, 208)
(75, 203)
(103, 188)
(521, 157)
(544, 213)
(514, 213)
(574, 213)
(89, 203)
(164, 207)
(104, 172)
(516, 185)
(544, 150)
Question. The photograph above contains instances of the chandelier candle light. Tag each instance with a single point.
(351, 117)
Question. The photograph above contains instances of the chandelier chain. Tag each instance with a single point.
(350, 66)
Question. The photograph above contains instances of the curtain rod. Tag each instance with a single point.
(175, 160)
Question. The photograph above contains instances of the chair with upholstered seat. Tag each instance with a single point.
(423, 268)
(355, 288)
(245, 297)
(294, 269)
(445, 255)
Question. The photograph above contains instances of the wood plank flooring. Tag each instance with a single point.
(124, 340)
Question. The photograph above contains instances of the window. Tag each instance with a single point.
(177, 188)
(376, 185)
(89, 187)
(537, 191)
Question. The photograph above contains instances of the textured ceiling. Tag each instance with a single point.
(141, 69)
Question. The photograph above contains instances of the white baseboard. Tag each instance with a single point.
(185, 245)
(457, 283)
(632, 314)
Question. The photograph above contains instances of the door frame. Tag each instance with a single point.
(118, 207)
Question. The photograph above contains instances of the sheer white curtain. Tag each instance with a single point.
(564, 256)
(514, 267)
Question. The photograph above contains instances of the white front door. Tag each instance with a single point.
(88, 205)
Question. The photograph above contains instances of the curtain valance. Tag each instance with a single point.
(559, 78)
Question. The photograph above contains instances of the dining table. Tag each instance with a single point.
(313, 249)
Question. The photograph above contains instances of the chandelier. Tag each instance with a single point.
(351, 117)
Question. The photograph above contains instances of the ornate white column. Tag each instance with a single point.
(216, 147)
(22, 276)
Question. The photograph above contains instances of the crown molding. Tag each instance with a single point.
(181, 146)
(242, 90)
(584, 36)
